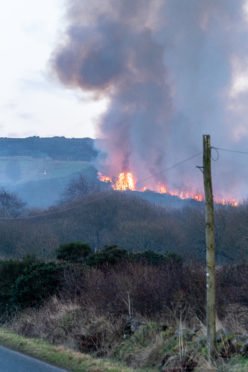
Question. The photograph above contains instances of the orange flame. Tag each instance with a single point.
(126, 181)
(232, 202)
(162, 189)
(103, 178)
(180, 194)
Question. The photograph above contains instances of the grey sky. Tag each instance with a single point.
(32, 102)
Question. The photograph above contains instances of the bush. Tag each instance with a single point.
(110, 255)
(126, 286)
(73, 252)
(173, 258)
(37, 283)
(150, 257)
(10, 270)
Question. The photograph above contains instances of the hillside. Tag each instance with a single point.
(57, 148)
(166, 200)
(39, 169)
(40, 182)
(129, 222)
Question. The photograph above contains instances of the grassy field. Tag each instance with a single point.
(26, 168)
(60, 356)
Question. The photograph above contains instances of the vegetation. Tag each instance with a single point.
(109, 255)
(60, 356)
(10, 204)
(152, 258)
(146, 309)
(30, 282)
(27, 282)
(73, 252)
(135, 291)
(131, 223)
(38, 282)
(10, 270)
(81, 186)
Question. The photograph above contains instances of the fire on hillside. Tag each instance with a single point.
(126, 181)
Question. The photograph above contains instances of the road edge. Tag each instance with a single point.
(59, 356)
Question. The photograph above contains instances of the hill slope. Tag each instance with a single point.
(39, 169)
(59, 148)
(128, 221)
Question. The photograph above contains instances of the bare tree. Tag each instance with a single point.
(10, 204)
(79, 187)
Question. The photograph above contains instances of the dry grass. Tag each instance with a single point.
(70, 326)
(60, 356)
(236, 318)
(64, 323)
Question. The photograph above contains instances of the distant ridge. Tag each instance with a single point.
(57, 148)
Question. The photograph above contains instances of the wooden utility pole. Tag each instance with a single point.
(210, 250)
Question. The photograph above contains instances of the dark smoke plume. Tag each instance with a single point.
(168, 68)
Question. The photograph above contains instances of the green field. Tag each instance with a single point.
(20, 169)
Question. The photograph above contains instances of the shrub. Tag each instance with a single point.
(173, 257)
(10, 270)
(73, 252)
(150, 257)
(37, 283)
(110, 255)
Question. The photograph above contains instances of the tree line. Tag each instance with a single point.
(107, 218)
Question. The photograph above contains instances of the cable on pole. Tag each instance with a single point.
(217, 154)
(230, 150)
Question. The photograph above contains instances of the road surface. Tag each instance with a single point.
(12, 361)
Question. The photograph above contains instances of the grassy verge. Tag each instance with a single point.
(60, 356)
(236, 364)
(78, 362)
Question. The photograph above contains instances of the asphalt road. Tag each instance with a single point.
(12, 361)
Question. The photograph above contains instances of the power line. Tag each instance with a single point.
(173, 166)
(229, 150)
(101, 196)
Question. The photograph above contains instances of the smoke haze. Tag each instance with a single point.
(172, 70)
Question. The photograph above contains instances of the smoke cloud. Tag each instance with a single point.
(173, 70)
